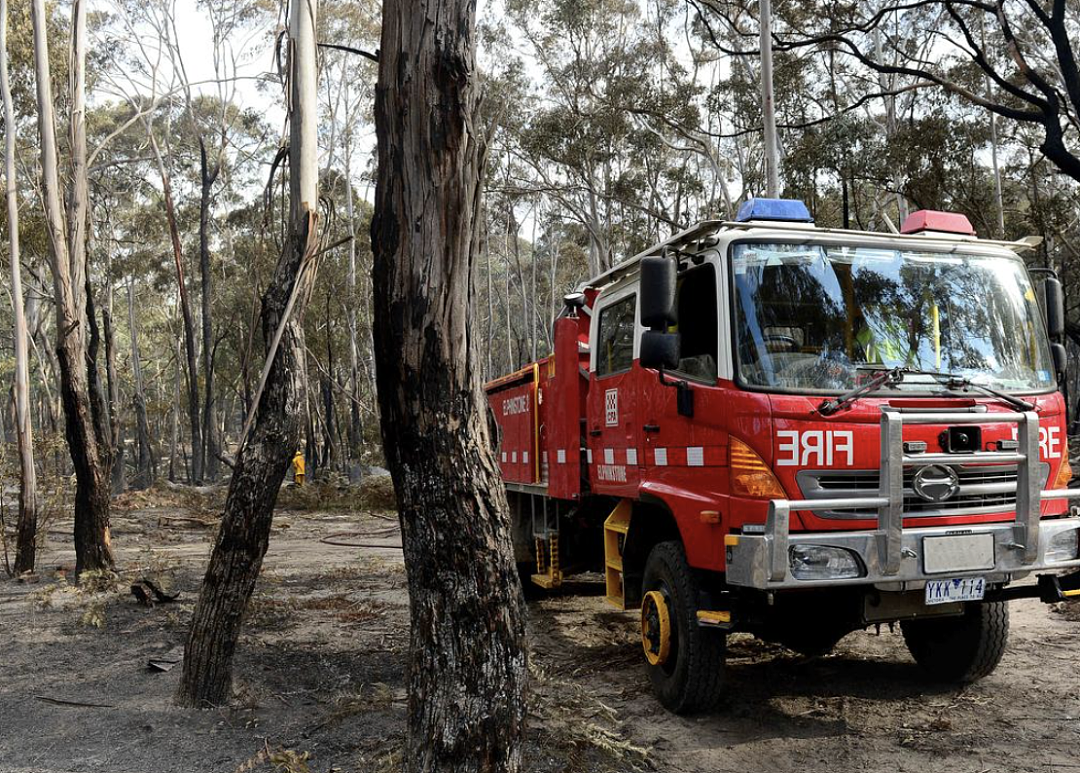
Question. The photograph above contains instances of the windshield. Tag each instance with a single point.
(818, 318)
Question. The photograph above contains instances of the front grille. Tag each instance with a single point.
(970, 500)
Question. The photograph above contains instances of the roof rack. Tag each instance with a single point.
(681, 239)
(705, 227)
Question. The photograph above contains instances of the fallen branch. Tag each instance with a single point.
(336, 540)
(78, 704)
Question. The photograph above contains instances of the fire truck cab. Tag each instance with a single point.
(798, 432)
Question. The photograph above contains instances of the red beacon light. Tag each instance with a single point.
(933, 220)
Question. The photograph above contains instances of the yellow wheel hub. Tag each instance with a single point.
(655, 628)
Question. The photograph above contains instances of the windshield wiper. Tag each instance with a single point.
(894, 376)
(887, 378)
(952, 381)
(964, 384)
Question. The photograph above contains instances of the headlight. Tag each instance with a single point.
(1064, 546)
(821, 562)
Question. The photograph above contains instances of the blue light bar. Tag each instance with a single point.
(788, 210)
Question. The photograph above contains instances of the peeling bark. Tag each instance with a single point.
(467, 658)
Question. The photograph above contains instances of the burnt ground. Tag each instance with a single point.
(321, 666)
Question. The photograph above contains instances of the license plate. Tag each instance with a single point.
(949, 591)
(958, 553)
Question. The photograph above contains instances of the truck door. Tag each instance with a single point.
(614, 442)
(682, 451)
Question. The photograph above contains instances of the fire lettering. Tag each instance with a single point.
(515, 405)
(814, 447)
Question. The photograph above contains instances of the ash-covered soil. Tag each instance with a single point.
(320, 674)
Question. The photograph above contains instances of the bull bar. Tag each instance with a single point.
(890, 554)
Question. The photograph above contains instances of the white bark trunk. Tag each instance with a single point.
(24, 560)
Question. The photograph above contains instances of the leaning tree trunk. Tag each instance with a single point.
(265, 453)
(467, 657)
(196, 471)
(26, 538)
(67, 250)
(207, 177)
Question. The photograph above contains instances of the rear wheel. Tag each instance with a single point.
(685, 662)
(960, 649)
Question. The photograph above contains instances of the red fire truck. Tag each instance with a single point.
(798, 432)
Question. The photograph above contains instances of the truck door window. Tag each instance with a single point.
(695, 304)
(616, 334)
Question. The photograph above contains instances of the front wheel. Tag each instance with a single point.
(685, 662)
(960, 649)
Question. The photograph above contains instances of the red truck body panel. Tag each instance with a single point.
(575, 435)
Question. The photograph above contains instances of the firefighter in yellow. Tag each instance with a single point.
(298, 468)
(885, 344)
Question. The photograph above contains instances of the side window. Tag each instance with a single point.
(616, 337)
(695, 304)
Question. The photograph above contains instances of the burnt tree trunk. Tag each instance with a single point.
(467, 657)
(145, 468)
(265, 453)
(67, 260)
(116, 432)
(207, 177)
(99, 410)
(249, 507)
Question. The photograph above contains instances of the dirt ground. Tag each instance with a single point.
(321, 665)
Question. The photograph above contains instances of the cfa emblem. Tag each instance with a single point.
(611, 408)
(935, 483)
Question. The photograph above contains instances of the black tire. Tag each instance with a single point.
(692, 678)
(960, 649)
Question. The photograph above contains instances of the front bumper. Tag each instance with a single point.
(892, 557)
(762, 560)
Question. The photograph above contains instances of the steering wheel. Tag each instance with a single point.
(780, 338)
(827, 372)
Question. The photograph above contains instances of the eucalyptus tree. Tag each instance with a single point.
(26, 544)
(265, 451)
(467, 651)
(90, 453)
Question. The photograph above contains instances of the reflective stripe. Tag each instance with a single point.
(660, 457)
(631, 457)
(561, 456)
(609, 456)
(695, 456)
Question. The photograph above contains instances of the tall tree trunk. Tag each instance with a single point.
(99, 410)
(118, 483)
(93, 549)
(174, 434)
(207, 178)
(196, 471)
(355, 425)
(264, 455)
(467, 657)
(26, 538)
(144, 456)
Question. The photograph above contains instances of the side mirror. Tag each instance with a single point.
(1060, 356)
(658, 277)
(659, 350)
(1055, 307)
